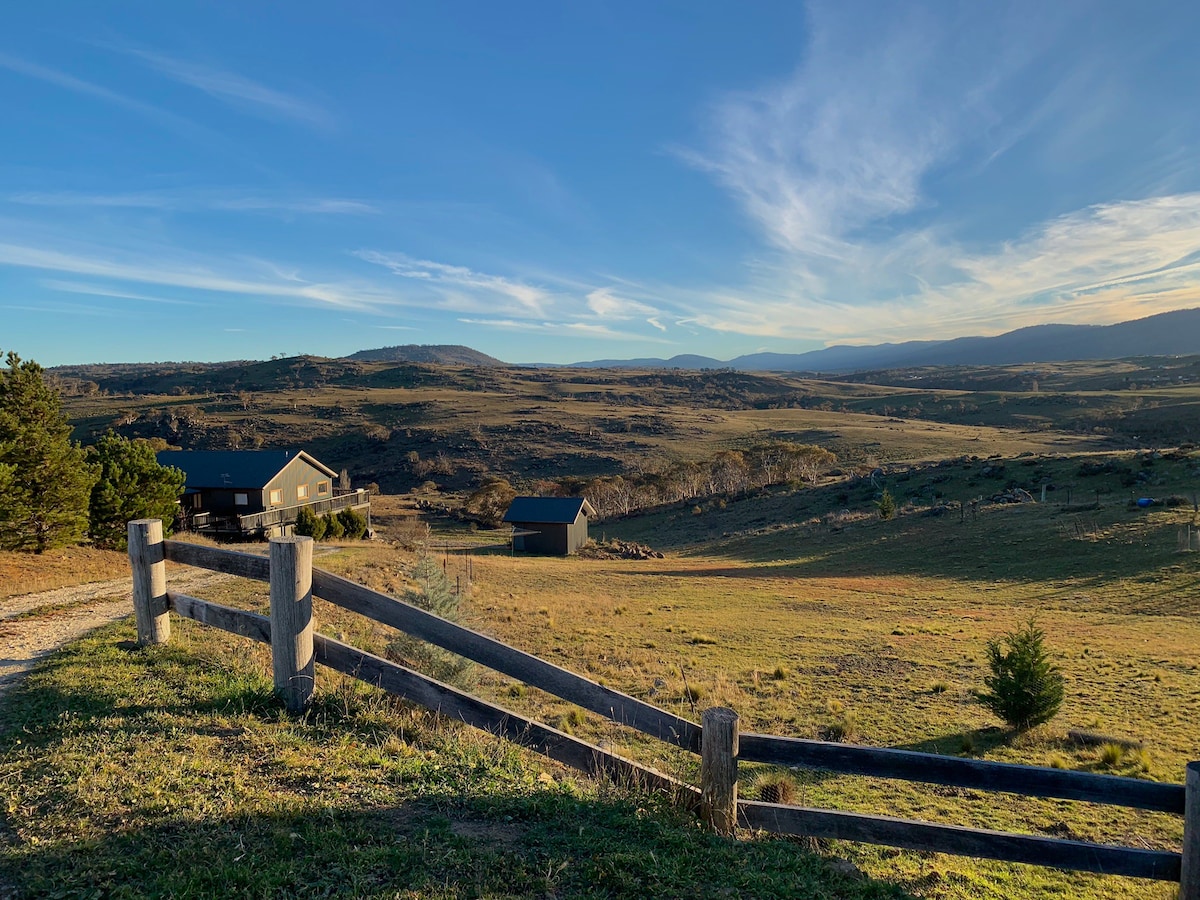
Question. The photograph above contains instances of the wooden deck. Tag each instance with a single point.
(270, 522)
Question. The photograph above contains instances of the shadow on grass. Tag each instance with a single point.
(972, 742)
(532, 846)
(461, 817)
(1004, 547)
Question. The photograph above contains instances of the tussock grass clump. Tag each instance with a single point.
(775, 788)
(780, 673)
(1110, 755)
(692, 693)
(843, 727)
(570, 720)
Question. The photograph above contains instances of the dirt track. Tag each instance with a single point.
(35, 625)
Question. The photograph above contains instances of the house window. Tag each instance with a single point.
(302, 492)
(276, 496)
(322, 488)
(241, 499)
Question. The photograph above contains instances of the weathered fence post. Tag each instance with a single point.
(291, 620)
(718, 769)
(1189, 879)
(149, 581)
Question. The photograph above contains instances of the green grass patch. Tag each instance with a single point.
(173, 772)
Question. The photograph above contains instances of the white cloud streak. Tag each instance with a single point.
(833, 166)
(69, 82)
(188, 201)
(237, 90)
(95, 290)
(565, 329)
(192, 276)
(461, 287)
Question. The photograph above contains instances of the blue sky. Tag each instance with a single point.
(550, 182)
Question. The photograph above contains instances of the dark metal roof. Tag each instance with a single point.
(548, 510)
(234, 468)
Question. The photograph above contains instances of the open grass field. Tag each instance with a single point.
(173, 772)
(800, 608)
(825, 623)
(24, 573)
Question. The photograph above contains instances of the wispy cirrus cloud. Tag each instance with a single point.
(841, 169)
(461, 287)
(76, 85)
(236, 90)
(1102, 264)
(98, 290)
(197, 273)
(565, 329)
(184, 201)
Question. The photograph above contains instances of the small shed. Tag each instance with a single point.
(551, 525)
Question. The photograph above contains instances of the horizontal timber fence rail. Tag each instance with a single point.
(296, 648)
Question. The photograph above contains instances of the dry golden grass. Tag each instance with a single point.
(27, 573)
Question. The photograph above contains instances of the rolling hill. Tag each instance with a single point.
(428, 354)
(1166, 334)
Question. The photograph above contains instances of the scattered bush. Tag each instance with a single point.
(309, 524)
(334, 529)
(1025, 688)
(354, 523)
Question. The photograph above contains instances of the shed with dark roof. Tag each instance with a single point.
(552, 525)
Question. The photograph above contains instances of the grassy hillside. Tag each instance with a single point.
(804, 612)
(172, 772)
(402, 426)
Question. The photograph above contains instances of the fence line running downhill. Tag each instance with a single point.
(295, 649)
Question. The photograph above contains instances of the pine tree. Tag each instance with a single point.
(433, 593)
(886, 504)
(334, 529)
(132, 485)
(354, 523)
(309, 524)
(1025, 688)
(46, 504)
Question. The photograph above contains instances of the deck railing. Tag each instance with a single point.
(283, 514)
(296, 649)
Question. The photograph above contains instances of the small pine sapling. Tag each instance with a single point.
(1025, 688)
(886, 504)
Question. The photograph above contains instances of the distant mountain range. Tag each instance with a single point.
(432, 354)
(1166, 334)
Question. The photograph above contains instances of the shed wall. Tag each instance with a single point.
(552, 538)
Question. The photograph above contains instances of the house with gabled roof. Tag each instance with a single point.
(256, 493)
(552, 525)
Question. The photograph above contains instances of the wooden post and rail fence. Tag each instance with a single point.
(296, 648)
